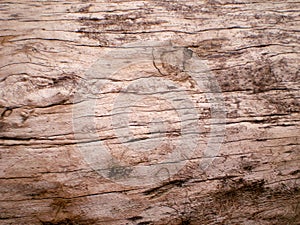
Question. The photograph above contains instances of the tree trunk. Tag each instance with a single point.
(149, 112)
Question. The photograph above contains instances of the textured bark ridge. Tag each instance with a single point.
(48, 48)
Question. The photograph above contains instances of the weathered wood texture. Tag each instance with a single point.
(251, 47)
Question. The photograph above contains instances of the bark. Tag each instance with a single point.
(48, 48)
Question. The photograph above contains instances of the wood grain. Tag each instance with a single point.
(251, 48)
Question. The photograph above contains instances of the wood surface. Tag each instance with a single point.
(47, 49)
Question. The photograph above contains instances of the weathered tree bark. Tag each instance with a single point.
(250, 47)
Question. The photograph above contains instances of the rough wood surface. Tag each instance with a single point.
(250, 47)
